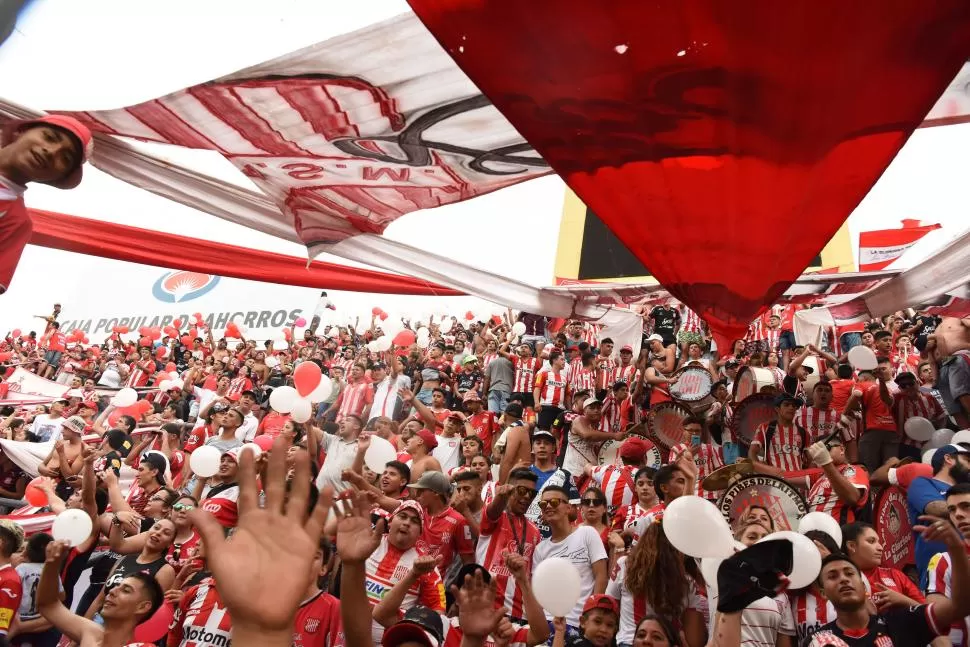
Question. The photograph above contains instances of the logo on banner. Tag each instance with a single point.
(179, 286)
(894, 529)
(782, 501)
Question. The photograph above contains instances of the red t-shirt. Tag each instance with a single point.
(15, 229)
(446, 534)
(57, 342)
(10, 594)
(876, 414)
(272, 424)
(318, 622)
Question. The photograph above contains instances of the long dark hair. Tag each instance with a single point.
(605, 519)
(660, 573)
(673, 637)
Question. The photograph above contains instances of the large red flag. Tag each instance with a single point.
(724, 143)
(878, 249)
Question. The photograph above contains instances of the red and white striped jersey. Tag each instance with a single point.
(820, 423)
(487, 359)
(611, 419)
(940, 570)
(345, 364)
(353, 398)
(525, 373)
(616, 481)
(773, 337)
(509, 534)
(237, 386)
(628, 374)
(756, 330)
(201, 620)
(779, 376)
(822, 496)
(923, 405)
(318, 622)
(627, 516)
(691, 322)
(785, 451)
(707, 457)
(583, 379)
(453, 634)
(605, 372)
(553, 387)
(137, 376)
(811, 610)
(387, 566)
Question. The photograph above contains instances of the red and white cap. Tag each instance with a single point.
(66, 123)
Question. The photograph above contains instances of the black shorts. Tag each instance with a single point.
(525, 398)
(547, 416)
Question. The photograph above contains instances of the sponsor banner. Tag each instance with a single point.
(894, 528)
(785, 504)
(878, 249)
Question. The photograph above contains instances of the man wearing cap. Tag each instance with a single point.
(446, 533)
(479, 421)
(797, 373)
(911, 402)
(927, 496)
(50, 150)
(395, 559)
(469, 378)
(880, 437)
(585, 438)
(548, 474)
(47, 426)
(777, 446)
(424, 442)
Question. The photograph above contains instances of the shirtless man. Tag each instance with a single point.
(65, 461)
(420, 446)
(518, 445)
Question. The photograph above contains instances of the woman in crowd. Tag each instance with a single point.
(593, 513)
(471, 446)
(645, 499)
(889, 587)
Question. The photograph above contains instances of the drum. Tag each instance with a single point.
(751, 380)
(693, 388)
(610, 455)
(754, 411)
(665, 424)
(784, 503)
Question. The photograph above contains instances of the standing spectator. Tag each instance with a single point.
(47, 426)
(551, 391)
(911, 402)
(778, 445)
(341, 449)
(880, 436)
(526, 367)
(480, 422)
(356, 397)
(499, 378)
(665, 321)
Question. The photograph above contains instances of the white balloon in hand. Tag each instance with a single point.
(379, 454)
(73, 526)
(556, 584)
(204, 461)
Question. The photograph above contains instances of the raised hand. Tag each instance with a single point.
(357, 538)
(477, 615)
(424, 565)
(276, 544)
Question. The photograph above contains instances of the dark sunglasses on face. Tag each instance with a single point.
(551, 503)
(593, 502)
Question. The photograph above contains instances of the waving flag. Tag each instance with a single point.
(878, 249)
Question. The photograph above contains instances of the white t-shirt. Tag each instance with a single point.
(448, 452)
(47, 428)
(340, 456)
(386, 400)
(761, 621)
(110, 377)
(582, 548)
(247, 431)
(204, 397)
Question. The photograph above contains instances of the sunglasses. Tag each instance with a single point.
(551, 503)
(183, 507)
(593, 502)
(523, 491)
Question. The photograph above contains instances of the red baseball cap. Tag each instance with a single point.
(430, 440)
(601, 601)
(635, 448)
(80, 132)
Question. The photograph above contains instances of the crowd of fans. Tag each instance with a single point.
(502, 430)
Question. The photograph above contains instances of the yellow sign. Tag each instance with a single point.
(589, 251)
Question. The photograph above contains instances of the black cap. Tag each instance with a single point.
(250, 393)
(471, 569)
(514, 409)
(788, 397)
(156, 460)
(753, 573)
(119, 441)
(420, 624)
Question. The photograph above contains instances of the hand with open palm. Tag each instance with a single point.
(357, 537)
(264, 569)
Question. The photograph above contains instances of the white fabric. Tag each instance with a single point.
(448, 452)
(46, 428)
(582, 548)
(27, 456)
(340, 456)
(247, 430)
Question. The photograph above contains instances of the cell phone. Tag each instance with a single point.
(695, 440)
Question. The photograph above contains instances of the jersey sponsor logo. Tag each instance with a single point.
(205, 636)
(311, 626)
(8, 592)
(376, 590)
(6, 617)
(181, 285)
(212, 507)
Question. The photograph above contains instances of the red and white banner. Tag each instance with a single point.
(878, 249)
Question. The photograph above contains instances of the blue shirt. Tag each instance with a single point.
(923, 491)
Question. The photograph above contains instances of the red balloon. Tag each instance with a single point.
(171, 368)
(306, 377)
(193, 332)
(143, 406)
(143, 331)
(186, 340)
(497, 320)
(287, 334)
(383, 315)
(376, 311)
(154, 628)
(469, 315)
(160, 352)
(145, 341)
(695, 123)
(34, 495)
(155, 333)
(95, 350)
(264, 442)
(15, 333)
(123, 330)
(171, 331)
(404, 338)
(177, 324)
(5, 356)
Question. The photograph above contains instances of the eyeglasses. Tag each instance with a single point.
(183, 507)
(551, 503)
(523, 491)
(593, 502)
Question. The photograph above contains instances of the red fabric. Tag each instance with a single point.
(162, 249)
(724, 144)
(892, 243)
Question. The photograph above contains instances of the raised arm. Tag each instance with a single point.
(49, 603)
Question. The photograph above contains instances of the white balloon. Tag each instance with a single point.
(696, 528)
(73, 526)
(939, 438)
(125, 397)
(518, 328)
(283, 398)
(177, 384)
(323, 390)
(862, 358)
(918, 428)
(253, 446)
(821, 521)
(556, 584)
(806, 560)
(165, 385)
(423, 342)
(384, 343)
(928, 456)
(334, 332)
(445, 326)
(423, 332)
(391, 326)
(372, 346)
(962, 436)
(301, 411)
(204, 461)
(379, 454)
